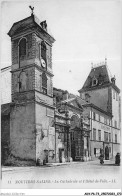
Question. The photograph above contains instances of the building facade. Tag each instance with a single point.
(102, 95)
(77, 135)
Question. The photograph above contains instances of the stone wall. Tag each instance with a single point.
(22, 132)
(5, 135)
(45, 134)
(6, 85)
(118, 133)
(99, 97)
(40, 97)
(116, 149)
(61, 145)
(27, 83)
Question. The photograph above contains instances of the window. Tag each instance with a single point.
(115, 124)
(105, 121)
(99, 135)
(109, 149)
(39, 50)
(116, 96)
(112, 123)
(94, 82)
(99, 117)
(113, 94)
(59, 136)
(49, 55)
(22, 48)
(43, 50)
(72, 136)
(109, 122)
(100, 79)
(95, 151)
(77, 150)
(44, 83)
(94, 116)
(109, 137)
(106, 136)
(94, 134)
(65, 137)
(115, 138)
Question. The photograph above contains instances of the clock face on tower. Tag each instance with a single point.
(43, 63)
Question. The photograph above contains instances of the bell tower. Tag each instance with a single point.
(32, 111)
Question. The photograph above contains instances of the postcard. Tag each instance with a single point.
(61, 96)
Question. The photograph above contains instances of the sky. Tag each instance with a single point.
(85, 31)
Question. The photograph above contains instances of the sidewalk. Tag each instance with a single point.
(11, 168)
(92, 162)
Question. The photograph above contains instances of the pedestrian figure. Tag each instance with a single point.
(101, 157)
(117, 159)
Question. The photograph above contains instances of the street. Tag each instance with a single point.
(72, 175)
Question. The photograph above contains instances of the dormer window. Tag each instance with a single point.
(100, 79)
(94, 81)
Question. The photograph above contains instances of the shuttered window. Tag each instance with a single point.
(43, 51)
(44, 83)
(22, 48)
(94, 134)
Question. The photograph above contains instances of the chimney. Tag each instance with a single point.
(44, 25)
(87, 97)
(65, 95)
(113, 79)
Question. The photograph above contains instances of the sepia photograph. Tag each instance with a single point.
(61, 94)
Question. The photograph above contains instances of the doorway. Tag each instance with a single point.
(46, 156)
(73, 151)
(61, 154)
(106, 153)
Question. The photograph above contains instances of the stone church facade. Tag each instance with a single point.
(42, 124)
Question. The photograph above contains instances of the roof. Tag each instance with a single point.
(97, 108)
(101, 74)
(6, 68)
(27, 23)
(75, 102)
(59, 90)
(68, 100)
(5, 109)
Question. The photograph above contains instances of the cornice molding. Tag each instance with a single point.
(97, 108)
(32, 65)
(92, 88)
